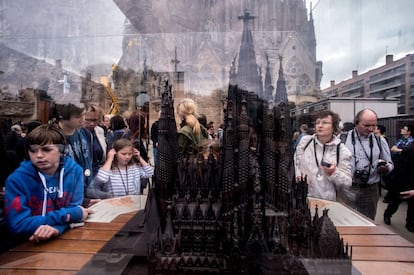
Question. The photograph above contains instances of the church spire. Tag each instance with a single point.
(247, 71)
(281, 94)
(175, 61)
(311, 33)
(268, 87)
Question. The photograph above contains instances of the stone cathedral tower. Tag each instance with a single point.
(208, 34)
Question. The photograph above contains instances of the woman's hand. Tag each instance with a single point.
(44, 232)
(328, 170)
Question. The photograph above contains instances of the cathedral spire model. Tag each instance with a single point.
(281, 95)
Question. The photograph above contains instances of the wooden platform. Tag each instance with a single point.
(375, 250)
(378, 250)
(66, 254)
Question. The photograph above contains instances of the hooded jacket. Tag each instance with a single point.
(187, 138)
(33, 199)
(321, 185)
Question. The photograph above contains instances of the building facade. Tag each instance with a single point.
(394, 80)
(206, 39)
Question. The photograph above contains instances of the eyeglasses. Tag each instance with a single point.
(90, 120)
(323, 122)
(34, 148)
(369, 125)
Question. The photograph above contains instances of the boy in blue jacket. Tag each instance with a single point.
(43, 195)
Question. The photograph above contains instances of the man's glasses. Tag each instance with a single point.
(91, 120)
(369, 125)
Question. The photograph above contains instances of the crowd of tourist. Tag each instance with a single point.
(80, 157)
(365, 161)
(51, 173)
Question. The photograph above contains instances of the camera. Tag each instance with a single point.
(325, 163)
(361, 176)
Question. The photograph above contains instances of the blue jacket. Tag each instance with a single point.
(28, 204)
(79, 149)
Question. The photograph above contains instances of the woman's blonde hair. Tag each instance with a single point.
(187, 111)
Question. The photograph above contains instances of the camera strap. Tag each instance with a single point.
(338, 148)
(314, 151)
(371, 144)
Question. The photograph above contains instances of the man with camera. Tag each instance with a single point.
(371, 158)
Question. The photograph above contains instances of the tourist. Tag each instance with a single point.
(122, 172)
(324, 160)
(138, 132)
(106, 123)
(303, 132)
(44, 195)
(69, 118)
(191, 132)
(380, 131)
(371, 158)
(210, 129)
(398, 180)
(154, 138)
(118, 129)
(96, 136)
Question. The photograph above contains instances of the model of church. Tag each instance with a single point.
(240, 212)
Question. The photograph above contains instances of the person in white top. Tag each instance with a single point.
(324, 160)
(122, 172)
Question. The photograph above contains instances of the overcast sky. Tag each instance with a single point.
(357, 34)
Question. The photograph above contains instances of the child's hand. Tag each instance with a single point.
(111, 154)
(44, 232)
(136, 153)
(86, 212)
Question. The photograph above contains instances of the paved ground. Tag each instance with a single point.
(397, 220)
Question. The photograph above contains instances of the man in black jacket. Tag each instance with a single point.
(402, 187)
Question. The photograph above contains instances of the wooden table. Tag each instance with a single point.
(376, 250)
(66, 254)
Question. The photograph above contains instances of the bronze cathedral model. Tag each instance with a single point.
(238, 213)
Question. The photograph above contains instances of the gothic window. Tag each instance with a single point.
(304, 85)
(294, 66)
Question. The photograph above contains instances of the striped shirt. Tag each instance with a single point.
(124, 182)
